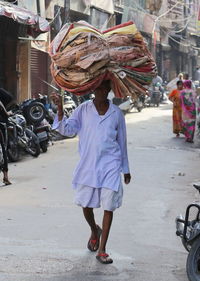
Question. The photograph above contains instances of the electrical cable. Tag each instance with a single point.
(180, 43)
(185, 26)
(55, 16)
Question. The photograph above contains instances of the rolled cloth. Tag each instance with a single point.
(82, 57)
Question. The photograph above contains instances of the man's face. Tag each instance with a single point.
(103, 90)
(180, 87)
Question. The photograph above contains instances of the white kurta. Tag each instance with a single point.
(102, 145)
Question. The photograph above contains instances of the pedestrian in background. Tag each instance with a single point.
(172, 84)
(101, 128)
(6, 99)
(174, 97)
(188, 104)
(197, 74)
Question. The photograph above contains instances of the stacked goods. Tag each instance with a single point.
(82, 57)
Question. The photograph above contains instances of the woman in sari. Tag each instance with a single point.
(188, 103)
(177, 109)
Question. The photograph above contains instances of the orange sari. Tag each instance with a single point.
(177, 111)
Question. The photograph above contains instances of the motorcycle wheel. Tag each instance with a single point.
(35, 112)
(193, 261)
(44, 146)
(13, 149)
(33, 146)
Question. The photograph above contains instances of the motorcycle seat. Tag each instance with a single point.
(197, 186)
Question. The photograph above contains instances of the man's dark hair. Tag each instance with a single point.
(186, 76)
(106, 84)
(179, 82)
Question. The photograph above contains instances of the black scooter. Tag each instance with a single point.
(35, 112)
(188, 229)
(43, 132)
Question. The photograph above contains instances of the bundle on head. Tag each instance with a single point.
(82, 57)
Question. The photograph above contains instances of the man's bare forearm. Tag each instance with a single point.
(60, 112)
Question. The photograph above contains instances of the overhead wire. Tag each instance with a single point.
(164, 14)
(180, 43)
(55, 16)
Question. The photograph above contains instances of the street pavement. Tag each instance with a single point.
(43, 235)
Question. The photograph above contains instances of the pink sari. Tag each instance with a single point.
(188, 104)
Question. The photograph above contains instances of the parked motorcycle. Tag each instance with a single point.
(188, 229)
(36, 111)
(139, 103)
(43, 132)
(154, 97)
(32, 110)
(49, 107)
(127, 104)
(68, 105)
(20, 137)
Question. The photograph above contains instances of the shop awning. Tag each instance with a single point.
(24, 16)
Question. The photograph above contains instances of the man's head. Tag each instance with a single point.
(105, 85)
(180, 76)
(103, 90)
(179, 85)
(186, 76)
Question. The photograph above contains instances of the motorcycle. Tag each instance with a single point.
(139, 103)
(155, 95)
(43, 132)
(68, 105)
(20, 137)
(33, 110)
(127, 104)
(188, 229)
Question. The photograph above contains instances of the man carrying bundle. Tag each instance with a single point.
(100, 126)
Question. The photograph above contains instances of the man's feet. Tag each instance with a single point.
(6, 181)
(93, 243)
(104, 258)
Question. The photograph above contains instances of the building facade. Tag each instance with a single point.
(20, 24)
(170, 28)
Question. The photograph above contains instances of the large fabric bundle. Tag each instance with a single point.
(82, 57)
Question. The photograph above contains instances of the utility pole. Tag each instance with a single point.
(66, 16)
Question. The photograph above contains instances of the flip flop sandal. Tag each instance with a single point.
(104, 258)
(93, 244)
